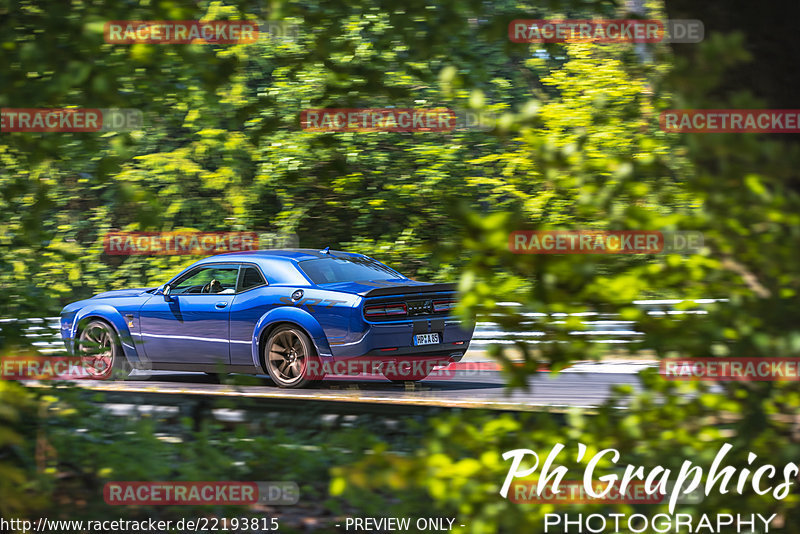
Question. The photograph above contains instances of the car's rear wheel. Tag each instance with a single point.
(100, 350)
(289, 357)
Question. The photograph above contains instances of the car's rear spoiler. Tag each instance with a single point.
(407, 289)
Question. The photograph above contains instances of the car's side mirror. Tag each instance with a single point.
(165, 291)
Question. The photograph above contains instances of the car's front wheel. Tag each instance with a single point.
(100, 350)
(289, 357)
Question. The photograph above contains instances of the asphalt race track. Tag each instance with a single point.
(576, 387)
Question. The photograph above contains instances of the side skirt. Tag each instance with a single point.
(204, 368)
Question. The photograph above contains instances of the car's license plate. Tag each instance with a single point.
(426, 339)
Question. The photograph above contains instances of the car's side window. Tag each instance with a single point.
(250, 277)
(216, 279)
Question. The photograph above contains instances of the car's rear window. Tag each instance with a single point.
(346, 269)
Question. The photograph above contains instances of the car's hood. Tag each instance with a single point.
(395, 286)
(122, 293)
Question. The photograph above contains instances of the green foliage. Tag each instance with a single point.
(59, 447)
(576, 144)
(736, 188)
(222, 147)
(16, 462)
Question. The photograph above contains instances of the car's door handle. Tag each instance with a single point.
(221, 304)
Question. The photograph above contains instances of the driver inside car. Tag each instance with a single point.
(214, 286)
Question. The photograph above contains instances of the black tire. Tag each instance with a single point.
(101, 351)
(288, 356)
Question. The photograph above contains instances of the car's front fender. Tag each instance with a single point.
(296, 316)
(112, 316)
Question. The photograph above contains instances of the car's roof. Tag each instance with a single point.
(292, 254)
(279, 266)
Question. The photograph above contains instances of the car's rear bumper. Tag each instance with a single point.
(396, 340)
(433, 352)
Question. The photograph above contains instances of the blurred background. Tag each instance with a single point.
(574, 143)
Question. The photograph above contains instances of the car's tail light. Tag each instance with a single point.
(444, 305)
(385, 310)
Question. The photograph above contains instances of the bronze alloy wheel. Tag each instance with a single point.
(100, 350)
(287, 354)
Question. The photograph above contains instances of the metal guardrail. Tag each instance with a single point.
(598, 327)
(45, 336)
(44, 333)
(236, 407)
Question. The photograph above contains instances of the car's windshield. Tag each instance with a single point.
(346, 269)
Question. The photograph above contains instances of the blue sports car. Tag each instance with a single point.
(296, 314)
